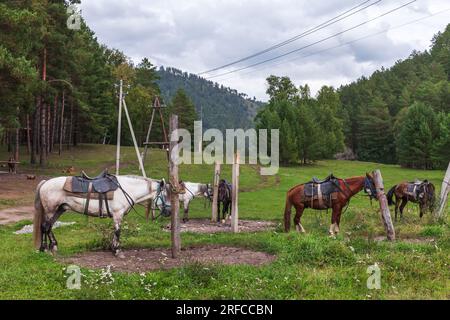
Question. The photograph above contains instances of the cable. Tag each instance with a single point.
(346, 43)
(314, 43)
(299, 36)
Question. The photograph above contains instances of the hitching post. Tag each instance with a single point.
(235, 195)
(385, 213)
(174, 187)
(214, 213)
(444, 192)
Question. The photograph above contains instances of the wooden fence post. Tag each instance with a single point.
(385, 213)
(174, 187)
(235, 195)
(214, 213)
(445, 189)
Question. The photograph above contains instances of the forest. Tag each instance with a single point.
(399, 115)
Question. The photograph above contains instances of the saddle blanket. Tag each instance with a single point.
(75, 191)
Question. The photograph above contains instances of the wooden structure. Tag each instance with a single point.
(164, 143)
(385, 213)
(123, 105)
(174, 188)
(214, 213)
(235, 195)
(445, 189)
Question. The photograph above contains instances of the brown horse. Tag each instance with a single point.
(348, 188)
(422, 193)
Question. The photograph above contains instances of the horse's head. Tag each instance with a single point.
(369, 186)
(426, 193)
(208, 192)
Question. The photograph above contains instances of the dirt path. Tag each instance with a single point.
(16, 197)
(139, 260)
(13, 215)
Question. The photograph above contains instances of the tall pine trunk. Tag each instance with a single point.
(43, 112)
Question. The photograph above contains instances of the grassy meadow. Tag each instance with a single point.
(308, 266)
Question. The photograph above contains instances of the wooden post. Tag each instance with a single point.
(119, 127)
(385, 213)
(144, 156)
(174, 187)
(130, 125)
(214, 213)
(235, 195)
(445, 189)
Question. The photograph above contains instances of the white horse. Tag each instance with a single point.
(52, 201)
(193, 190)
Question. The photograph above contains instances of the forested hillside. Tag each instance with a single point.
(397, 115)
(222, 107)
(402, 114)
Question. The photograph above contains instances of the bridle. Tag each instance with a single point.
(369, 188)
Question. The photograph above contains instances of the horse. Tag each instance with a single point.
(419, 192)
(347, 189)
(193, 190)
(51, 201)
(224, 197)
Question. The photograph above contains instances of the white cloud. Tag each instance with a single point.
(198, 35)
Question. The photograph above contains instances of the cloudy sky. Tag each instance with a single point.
(199, 35)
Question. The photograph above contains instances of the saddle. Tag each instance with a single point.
(100, 188)
(322, 190)
(414, 189)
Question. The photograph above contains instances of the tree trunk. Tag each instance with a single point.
(43, 146)
(43, 113)
(55, 110)
(28, 134)
(71, 123)
(16, 149)
(61, 136)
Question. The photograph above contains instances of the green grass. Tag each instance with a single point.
(309, 266)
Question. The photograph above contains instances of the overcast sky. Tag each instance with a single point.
(198, 35)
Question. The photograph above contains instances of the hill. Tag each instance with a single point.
(222, 107)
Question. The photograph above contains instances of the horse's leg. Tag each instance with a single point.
(186, 211)
(421, 210)
(397, 203)
(402, 206)
(299, 208)
(53, 246)
(334, 215)
(338, 220)
(115, 246)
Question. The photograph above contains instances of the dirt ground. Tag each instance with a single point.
(206, 226)
(16, 197)
(141, 260)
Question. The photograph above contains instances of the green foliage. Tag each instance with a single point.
(309, 128)
(374, 109)
(185, 109)
(417, 135)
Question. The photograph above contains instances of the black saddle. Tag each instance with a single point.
(103, 183)
(100, 176)
(315, 180)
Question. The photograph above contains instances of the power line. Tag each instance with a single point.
(299, 36)
(314, 43)
(346, 43)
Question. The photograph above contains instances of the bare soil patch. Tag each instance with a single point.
(16, 197)
(408, 240)
(141, 260)
(206, 226)
(13, 215)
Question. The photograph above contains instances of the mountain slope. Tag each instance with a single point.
(223, 108)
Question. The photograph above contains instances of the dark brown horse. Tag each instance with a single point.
(419, 192)
(224, 197)
(348, 188)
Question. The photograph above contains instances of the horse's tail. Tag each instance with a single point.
(390, 195)
(39, 214)
(287, 214)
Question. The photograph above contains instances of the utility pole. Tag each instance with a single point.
(119, 127)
